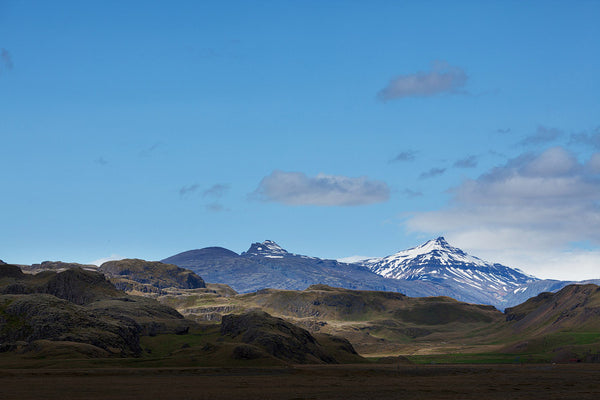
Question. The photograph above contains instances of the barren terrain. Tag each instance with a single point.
(346, 382)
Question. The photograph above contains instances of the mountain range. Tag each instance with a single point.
(434, 268)
(165, 313)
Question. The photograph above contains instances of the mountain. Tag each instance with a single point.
(468, 276)
(268, 265)
(439, 262)
(433, 269)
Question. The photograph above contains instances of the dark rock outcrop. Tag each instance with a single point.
(33, 317)
(153, 273)
(10, 271)
(75, 285)
(278, 338)
(79, 286)
(78, 307)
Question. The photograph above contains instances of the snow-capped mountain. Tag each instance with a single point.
(268, 265)
(432, 269)
(268, 249)
(437, 261)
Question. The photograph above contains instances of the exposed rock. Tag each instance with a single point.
(56, 266)
(10, 271)
(75, 285)
(78, 306)
(41, 316)
(278, 338)
(151, 317)
(79, 286)
(153, 273)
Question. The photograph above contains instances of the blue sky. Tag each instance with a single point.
(338, 128)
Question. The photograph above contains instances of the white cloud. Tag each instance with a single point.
(441, 79)
(528, 212)
(112, 257)
(295, 188)
(354, 259)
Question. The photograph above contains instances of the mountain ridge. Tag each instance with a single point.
(434, 268)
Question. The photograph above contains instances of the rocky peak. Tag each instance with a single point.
(268, 249)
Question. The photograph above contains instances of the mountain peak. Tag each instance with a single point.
(438, 261)
(441, 241)
(268, 249)
(439, 244)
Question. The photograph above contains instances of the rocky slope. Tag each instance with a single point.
(282, 340)
(135, 275)
(79, 309)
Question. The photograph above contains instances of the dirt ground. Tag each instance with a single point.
(577, 381)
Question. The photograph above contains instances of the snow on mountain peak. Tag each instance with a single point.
(268, 249)
(437, 260)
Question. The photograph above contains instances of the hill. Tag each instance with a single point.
(149, 276)
(375, 322)
(563, 325)
(78, 312)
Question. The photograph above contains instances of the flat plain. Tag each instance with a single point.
(364, 381)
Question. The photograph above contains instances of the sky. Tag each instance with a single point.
(142, 129)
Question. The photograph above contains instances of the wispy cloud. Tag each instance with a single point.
(534, 204)
(295, 188)
(503, 131)
(542, 136)
(591, 139)
(433, 172)
(148, 151)
(442, 78)
(468, 162)
(407, 155)
(215, 207)
(216, 191)
(6, 59)
(100, 161)
(411, 194)
(185, 190)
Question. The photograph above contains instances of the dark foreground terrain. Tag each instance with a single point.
(575, 381)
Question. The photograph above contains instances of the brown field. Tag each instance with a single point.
(575, 381)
